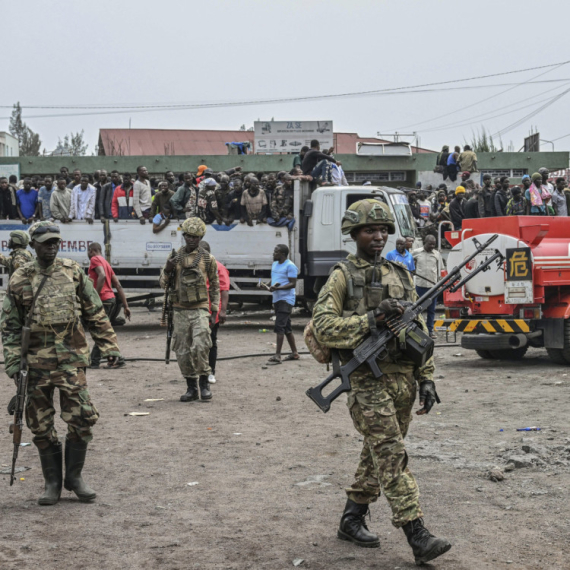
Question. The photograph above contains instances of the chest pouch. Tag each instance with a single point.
(192, 285)
(57, 303)
(415, 344)
(374, 291)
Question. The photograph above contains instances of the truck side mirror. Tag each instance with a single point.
(308, 209)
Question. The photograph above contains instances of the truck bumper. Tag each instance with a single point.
(485, 326)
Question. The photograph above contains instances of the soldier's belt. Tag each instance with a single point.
(483, 325)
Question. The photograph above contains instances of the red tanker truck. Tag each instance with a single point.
(521, 301)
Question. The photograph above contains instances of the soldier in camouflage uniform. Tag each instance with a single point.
(381, 409)
(57, 357)
(19, 255)
(190, 269)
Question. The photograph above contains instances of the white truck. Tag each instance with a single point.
(315, 243)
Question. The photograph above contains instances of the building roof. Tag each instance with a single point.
(185, 142)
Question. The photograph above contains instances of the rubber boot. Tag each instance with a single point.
(205, 393)
(53, 477)
(192, 393)
(424, 545)
(353, 526)
(74, 459)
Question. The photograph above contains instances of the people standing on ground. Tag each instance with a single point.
(224, 280)
(471, 206)
(468, 159)
(8, 200)
(19, 255)
(401, 255)
(429, 265)
(456, 208)
(60, 201)
(83, 201)
(190, 269)
(283, 280)
(425, 207)
(44, 198)
(485, 197)
(104, 279)
(535, 203)
(517, 205)
(502, 197)
(546, 190)
(27, 201)
(142, 195)
(381, 408)
(58, 355)
(415, 208)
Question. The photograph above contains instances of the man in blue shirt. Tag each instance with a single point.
(402, 255)
(283, 281)
(27, 201)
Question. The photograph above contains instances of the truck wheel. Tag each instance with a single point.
(486, 354)
(561, 355)
(509, 354)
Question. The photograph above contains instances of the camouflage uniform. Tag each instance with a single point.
(16, 259)
(282, 202)
(381, 409)
(191, 335)
(207, 210)
(19, 255)
(58, 353)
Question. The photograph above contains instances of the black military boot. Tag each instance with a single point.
(51, 468)
(205, 393)
(74, 459)
(192, 393)
(353, 526)
(425, 546)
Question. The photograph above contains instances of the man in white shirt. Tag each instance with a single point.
(428, 264)
(142, 195)
(337, 175)
(83, 201)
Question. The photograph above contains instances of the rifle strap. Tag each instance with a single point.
(30, 312)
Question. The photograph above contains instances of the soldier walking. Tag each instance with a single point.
(381, 409)
(19, 255)
(186, 274)
(62, 296)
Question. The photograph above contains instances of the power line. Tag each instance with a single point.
(482, 101)
(269, 101)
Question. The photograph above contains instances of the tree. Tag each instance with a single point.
(482, 142)
(29, 142)
(72, 145)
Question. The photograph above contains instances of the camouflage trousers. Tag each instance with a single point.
(76, 407)
(382, 411)
(191, 341)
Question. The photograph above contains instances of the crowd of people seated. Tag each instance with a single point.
(537, 196)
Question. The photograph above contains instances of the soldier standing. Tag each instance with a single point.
(189, 270)
(62, 296)
(381, 409)
(19, 255)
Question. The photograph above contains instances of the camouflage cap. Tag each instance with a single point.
(20, 237)
(194, 227)
(367, 212)
(42, 231)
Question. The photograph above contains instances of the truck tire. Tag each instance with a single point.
(561, 355)
(486, 354)
(509, 354)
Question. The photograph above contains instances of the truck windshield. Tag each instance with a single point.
(403, 215)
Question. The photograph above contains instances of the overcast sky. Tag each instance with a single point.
(124, 52)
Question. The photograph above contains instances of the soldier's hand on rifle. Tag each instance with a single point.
(428, 397)
(169, 267)
(388, 308)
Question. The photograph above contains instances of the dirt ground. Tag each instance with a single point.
(269, 468)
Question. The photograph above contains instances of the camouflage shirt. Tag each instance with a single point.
(16, 259)
(282, 202)
(57, 340)
(336, 329)
(207, 204)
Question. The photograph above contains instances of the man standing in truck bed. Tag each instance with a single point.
(347, 308)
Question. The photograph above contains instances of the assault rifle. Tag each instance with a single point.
(17, 405)
(167, 318)
(412, 340)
